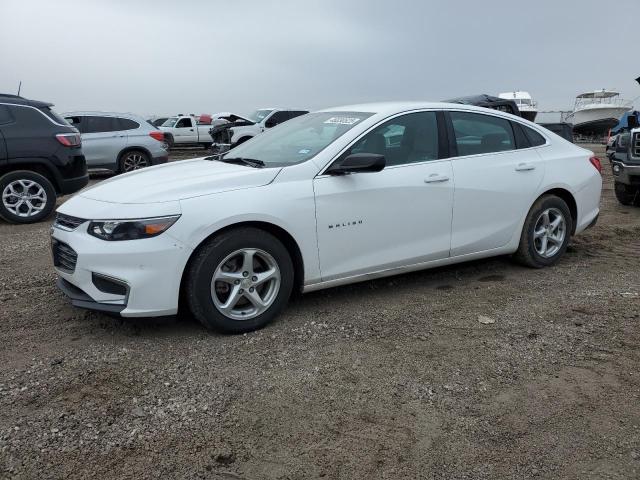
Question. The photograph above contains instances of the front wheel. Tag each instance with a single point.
(27, 197)
(546, 232)
(626, 194)
(239, 281)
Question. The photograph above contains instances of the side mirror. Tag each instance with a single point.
(358, 162)
(632, 121)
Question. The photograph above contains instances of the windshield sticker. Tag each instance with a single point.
(304, 151)
(343, 120)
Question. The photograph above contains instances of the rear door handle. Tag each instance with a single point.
(525, 167)
(435, 178)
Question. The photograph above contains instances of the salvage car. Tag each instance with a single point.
(121, 142)
(239, 129)
(186, 130)
(40, 159)
(329, 198)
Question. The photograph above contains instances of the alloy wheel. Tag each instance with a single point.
(24, 198)
(134, 161)
(549, 232)
(245, 284)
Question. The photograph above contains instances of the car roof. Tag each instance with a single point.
(390, 108)
(131, 116)
(18, 100)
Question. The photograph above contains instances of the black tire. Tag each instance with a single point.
(242, 140)
(205, 263)
(133, 160)
(527, 252)
(36, 182)
(626, 194)
(168, 139)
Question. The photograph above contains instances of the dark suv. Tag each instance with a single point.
(40, 158)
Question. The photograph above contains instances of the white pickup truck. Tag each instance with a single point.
(186, 130)
(230, 130)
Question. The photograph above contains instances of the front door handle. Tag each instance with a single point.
(435, 178)
(525, 167)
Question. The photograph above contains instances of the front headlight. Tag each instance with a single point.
(130, 229)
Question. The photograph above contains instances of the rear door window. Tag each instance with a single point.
(478, 134)
(522, 141)
(97, 124)
(183, 123)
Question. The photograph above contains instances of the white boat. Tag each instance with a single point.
(594, 113)
(528, 108)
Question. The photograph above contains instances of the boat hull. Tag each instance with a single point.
(596, 121)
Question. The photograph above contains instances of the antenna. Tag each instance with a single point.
(19, 87)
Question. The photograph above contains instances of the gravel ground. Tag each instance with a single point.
(394, 378)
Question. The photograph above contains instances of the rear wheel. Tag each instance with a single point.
(133, 160)
(626, 194)
(239, 281)
(26, 197)
(546, 232)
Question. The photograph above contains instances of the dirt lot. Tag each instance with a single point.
(394, 378)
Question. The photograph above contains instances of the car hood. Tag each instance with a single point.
(178, 181)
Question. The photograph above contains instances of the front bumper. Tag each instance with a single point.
(625, 173)
(150, 271)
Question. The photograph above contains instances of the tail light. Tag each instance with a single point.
(595, 161)
(69, 139)
(157, 135)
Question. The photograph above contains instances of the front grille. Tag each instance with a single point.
(64, 257)
(635, 146)
(67, 222)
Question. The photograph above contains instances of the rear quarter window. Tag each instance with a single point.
(534, 137)
(127, 124)
(53, 115)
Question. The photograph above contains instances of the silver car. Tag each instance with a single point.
(121, 142)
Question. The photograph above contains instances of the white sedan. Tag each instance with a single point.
(333, 197)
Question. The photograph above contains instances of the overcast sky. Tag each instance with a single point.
(182, 56)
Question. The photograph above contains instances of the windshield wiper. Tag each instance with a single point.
(250, 162)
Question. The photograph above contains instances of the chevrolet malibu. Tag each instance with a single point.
(329, 198)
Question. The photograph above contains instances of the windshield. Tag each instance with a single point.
(170, 122)
(259, 115)
(299, 139)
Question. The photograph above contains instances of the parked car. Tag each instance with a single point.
(624, 155)
(329, 198)
(157, 121)
(121, 142)
(40, 158)
(186, 130)
(240, 129)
